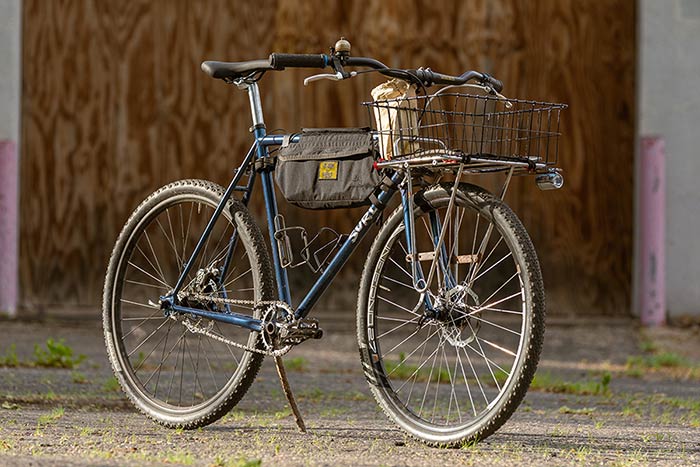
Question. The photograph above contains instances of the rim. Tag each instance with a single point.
(169, 367)
(449, 373)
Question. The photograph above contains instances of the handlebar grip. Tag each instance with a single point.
(495, 83)
(282, 61)
(431, 77)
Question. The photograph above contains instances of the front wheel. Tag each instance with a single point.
(451, 365)
(178, 377)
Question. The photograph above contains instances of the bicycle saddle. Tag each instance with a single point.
(233, 70)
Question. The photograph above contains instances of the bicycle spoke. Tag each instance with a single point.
(485, 260)
(495, 346)
(401, 267)
(160, 364)
(412, 320)
(391, 279)
(143, 321)
(397, 305)
(490, 323)
(417, 370)
(157, 268)
(478, 381)
(430, 376)
(466, 382)
(146, 339)
(492, 266)
(172, 235)
(143, 360)
(143, 284)
(172, 245)
(150, 275)
(483, 354)
(486, 307)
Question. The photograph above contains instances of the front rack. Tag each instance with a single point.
(487, 133)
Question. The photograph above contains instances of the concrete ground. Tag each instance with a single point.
(648, 413)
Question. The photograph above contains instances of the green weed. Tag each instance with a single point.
(9, 358)
(548, 383)
(583, 411)
(668, 362)
(333, 412)
(284, 413)
(178, 457)
(140, 359)
(295, 364)
(240, 462)
(111, 385)
(56, 355)
(681, 403)
(404, 370)
(249, 463)
(51, 417)
(78, 377)
(661, 360)
(648, 346)
(314, 394)
(358, 396)
(498, 376)
(580, 454)
(633, 371)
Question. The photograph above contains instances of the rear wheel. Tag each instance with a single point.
(455, 374)
(177, 377)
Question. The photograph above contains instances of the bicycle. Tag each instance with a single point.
(451, 304)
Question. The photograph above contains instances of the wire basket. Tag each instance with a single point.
(485, 132)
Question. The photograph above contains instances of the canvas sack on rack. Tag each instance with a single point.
(395, 118)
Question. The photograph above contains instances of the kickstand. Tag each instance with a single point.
(288, 392)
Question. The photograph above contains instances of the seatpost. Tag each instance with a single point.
(255, 105)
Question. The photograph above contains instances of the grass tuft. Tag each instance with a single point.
(111, 385)
(661, 360)
(56, 355)
(583, 411)
(51, 417)
(548, 383)
(295, 364)
(9, 358)
(404, 370)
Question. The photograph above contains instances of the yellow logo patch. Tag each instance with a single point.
(328, 170)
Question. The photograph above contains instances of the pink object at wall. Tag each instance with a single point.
(9, 219)
(652, 228)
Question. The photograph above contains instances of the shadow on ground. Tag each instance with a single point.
(642, 412)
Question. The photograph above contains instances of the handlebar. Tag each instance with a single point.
(280, 61)
(427, 76)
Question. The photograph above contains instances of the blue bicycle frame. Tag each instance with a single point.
(260, 150)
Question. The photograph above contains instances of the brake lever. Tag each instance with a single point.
(338, 76)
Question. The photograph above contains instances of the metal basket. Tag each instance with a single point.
(486, 133)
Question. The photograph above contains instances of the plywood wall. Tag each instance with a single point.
(114, 105)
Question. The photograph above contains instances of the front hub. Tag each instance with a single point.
(456, 312)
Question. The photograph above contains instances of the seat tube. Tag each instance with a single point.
(268, 191)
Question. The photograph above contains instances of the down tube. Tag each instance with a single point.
(346, 250)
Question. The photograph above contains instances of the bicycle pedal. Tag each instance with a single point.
(301, 330)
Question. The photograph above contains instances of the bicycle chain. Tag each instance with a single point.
(193, 328)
